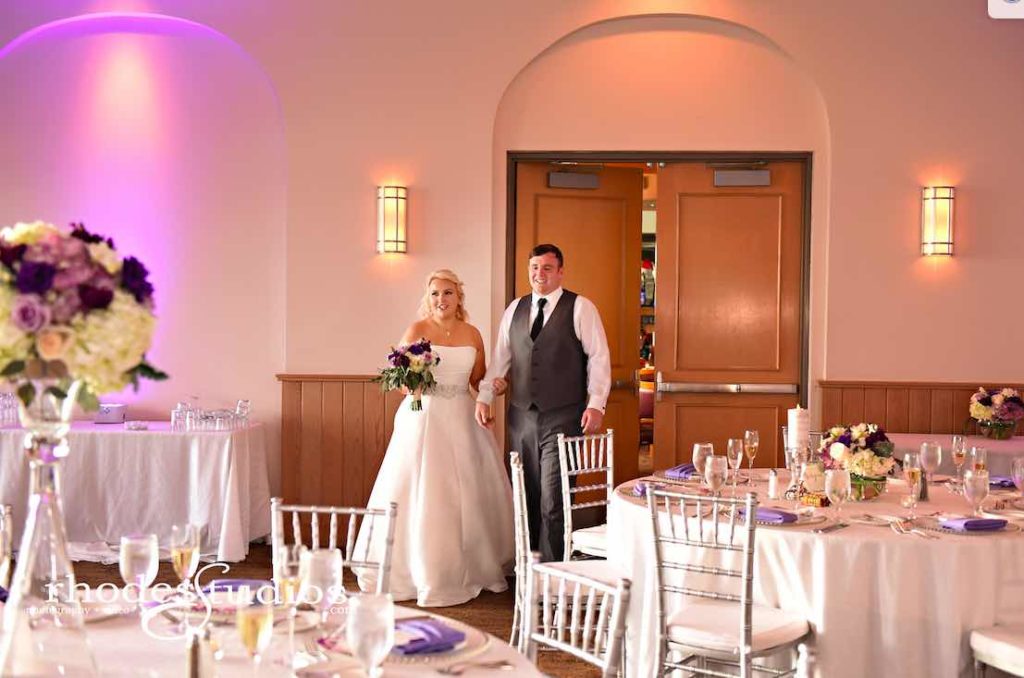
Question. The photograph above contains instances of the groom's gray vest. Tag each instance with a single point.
(552, 371)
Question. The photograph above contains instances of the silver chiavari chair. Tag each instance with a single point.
(522, 540)
(697, 540)
(587, 455)
(6, 544)
(577, 614)
(356, 554)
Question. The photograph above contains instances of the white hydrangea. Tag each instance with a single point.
(14, 344)
(28, 234)
(108, 343)
(105, 257)
(865, 463)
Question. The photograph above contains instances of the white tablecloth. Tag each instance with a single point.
(116, 482)
(1001, 453)
(879, 603)
(120, 646)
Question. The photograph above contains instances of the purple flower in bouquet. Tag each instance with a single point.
(79, 232)
(419, 347)
(875, 437)
(845, 439)
(65, 306)
(94, 297)
(9, 256)
(133, 279)
(30, 313)
(985, 400)
(77, 274)
(1011, 410)
(35, 277)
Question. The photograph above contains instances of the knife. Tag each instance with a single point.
(831, 528)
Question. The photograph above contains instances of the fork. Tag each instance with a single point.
(459, 668)
(900, 527)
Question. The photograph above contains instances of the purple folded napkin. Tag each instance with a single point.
(973, 524)
(229, 585)
(1000, 481)
(432, 636)
(772, 516)
(3, 595)
(681, 472)
(641, 487)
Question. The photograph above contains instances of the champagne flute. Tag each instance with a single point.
(1017, 473)
(185, 552)
(959, 452)
(931, 458)
(138, 562)
(715, 471)
(255, 624)
(979, 458)
(912, 474)
(976, 488)
(288, 572)
(837, 489)
(734, 453)
(321, 579)
(701, 452)
(750, 445)
(370, 630)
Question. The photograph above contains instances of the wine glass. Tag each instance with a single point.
(715, 471)
(734, 453)
(185, 552)
(931, 458)
(1017, 473)
(959, 452)
(321, 579)
(370, 630)
(750, 445)
(912, 474)
(979, 458)
(814, 439)
(288, 564)
(701, 451)
(138, 562)
(976, 488)
(255, 624)
(837, 488)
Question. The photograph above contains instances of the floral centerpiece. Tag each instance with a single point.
(410, 366)
(865, 451)
(997, 412)
(76, 319)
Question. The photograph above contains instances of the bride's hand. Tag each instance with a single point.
(500, 385)
(406, 391)
(483, 415)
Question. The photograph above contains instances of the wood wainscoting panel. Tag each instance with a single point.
(901, 407)
(334, 432)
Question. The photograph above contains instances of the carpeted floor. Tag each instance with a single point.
(490, 612)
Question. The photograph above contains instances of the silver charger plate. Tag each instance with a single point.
(476, 642)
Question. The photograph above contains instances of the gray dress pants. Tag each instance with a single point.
(534, 435)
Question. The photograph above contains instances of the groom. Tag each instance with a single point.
(552, 346)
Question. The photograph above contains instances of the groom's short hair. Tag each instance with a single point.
(547, 248)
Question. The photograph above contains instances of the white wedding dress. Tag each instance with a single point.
(454, 532)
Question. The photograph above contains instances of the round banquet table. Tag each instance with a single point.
(879, 603)
(121, 648)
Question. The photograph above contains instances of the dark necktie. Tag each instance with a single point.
(538, 322)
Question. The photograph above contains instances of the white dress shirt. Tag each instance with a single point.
(589, 330)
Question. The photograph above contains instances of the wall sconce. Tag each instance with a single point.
(937, 220)
(392, 233)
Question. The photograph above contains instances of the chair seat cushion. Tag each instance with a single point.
(1001, 647)
(591, 540)
(715, 626)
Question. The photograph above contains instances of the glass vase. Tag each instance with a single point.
(997, 430)
(43, 627)
(863, 488)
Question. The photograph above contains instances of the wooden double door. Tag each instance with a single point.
(729, 345)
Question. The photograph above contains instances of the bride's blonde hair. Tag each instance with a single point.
(445, 274)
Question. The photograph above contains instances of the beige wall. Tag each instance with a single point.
(889, 96)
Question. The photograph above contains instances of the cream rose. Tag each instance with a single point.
(51, 343)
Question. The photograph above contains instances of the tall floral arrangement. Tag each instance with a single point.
(998, 405)
(863, 449)
(71, 307)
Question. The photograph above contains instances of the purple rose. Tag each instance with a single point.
(29, 313)
(9, 256)
(35, 277)
(93, 297)
(133, 279)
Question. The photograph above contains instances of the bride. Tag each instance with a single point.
(453, 535)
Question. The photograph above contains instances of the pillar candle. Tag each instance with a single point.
(799, 427)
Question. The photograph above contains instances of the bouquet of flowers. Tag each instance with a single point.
(863, 450)
(1002, 405)
(410, 367)
(72, 308)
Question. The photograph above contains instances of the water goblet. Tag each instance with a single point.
(979, 458)
(715, 471)
(750, 444)
(701, 451)
(838, 489)
(138, 561)
(734, 453)
(1017, 474)
(931, 458)
(959, 451)
(288, 571)
(370, 630)
(321, 580)
(912, 474)
(976, 488)
(255, 624)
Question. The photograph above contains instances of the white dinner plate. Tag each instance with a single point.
(869, 519)
(476, 642)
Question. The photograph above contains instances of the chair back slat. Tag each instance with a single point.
(357, 554)
(591, 627)
(6, 544)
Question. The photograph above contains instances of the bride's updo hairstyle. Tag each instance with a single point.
(445, 274)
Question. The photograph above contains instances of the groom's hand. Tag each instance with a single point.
(591, 421)
(483, 415)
